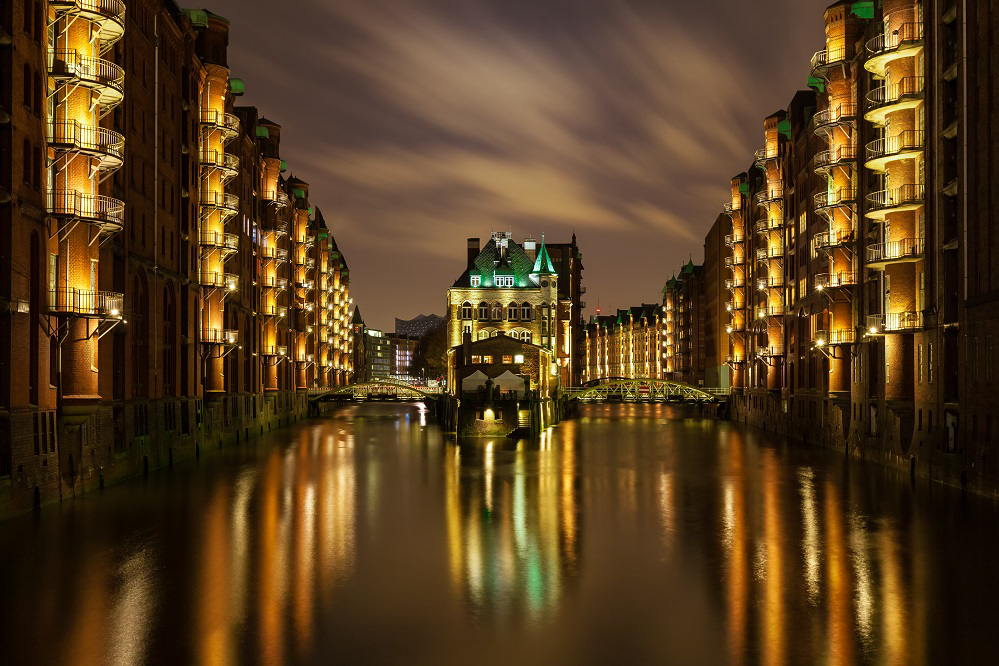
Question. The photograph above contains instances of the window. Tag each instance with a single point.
(487, 360)
(525, 312)
(28, 98)
(919, 367)
(511, 311)
(476, 359)
(526, 336)
(507, 359)
(929, 367)
(466, 310)
(497, 312)
(504, 281)
(476, 280)
(518, 358)
(483, 335)
(483, 311)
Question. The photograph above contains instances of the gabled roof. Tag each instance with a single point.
(357, 315)
(543, 265)
(489, 260)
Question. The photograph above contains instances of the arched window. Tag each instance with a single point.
(28, 97)
(526, 336)
(544, 311)
(497, 312)
(511, 312)
(483, 311)
(483, 334)
(26, 164)
(525, 312)
(466, 310)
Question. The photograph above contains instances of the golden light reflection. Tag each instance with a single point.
(773, 602)
(131, 610)
(894, 609)
(737, 574)
(864, 594)
(839, 624)
(215, 646)
(86, 636)
(811, 545)
(270, 558)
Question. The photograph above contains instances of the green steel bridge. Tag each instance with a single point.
(644, 389)
(376, 389)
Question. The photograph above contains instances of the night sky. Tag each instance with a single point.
(419, 123)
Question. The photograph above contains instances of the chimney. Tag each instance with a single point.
(473, 251)
(531, 248)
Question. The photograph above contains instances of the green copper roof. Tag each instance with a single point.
(298, 192)
(475, 271)
(784, 127)
(689, 268)
(198, 17)
(543, 264)
(263, 132)
(816, 84)
(864, 10)
(503, 269)
(236, 86)
(284, 165)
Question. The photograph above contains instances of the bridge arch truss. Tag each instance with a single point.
(642, 390)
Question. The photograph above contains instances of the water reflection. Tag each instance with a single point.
(634, 533)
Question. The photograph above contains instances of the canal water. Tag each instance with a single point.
(635, 534)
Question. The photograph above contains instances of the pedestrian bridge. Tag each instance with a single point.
(376, 389)
(641, 389)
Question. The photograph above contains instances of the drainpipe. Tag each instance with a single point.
(156, 183)
(964, 138)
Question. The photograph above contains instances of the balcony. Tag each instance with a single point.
(894, 322)
(770, 195)
(903, 198)
(899, 251)
(226, 164)
(844, 155)
(735, 260)
(106, 213)
(104, 145)
(764, 311)
(844, 196)
(220, 336)
(827, 59)
(735, 283)
(767, 224)
(774, 251)
(226, 123)
(108, 16)
(770, 351)
(308, 285)
(273, 282)
(734, 305)
(86, 303)
(227, 204)
(735, 359)
(228, 243)
(770, 282)
(308, 242)
(828, 240)
(274, 350)
(763, 156)
(103, 77)
(733, 239)
(906, 145)
(906, 94)
(278, 311)
(227, 281)
(731, 208)
(841, 336)
(903, 42)
(310, 263)
(836, 115)
(276, 254)
(838, 279)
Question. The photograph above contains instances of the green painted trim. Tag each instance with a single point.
(263, 132)
(284, 165)
(198, 17)
(236, 86)
(743, 188)
(816, 84)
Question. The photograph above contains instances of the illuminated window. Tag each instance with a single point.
(511, 311)
(526, 336)
(483, 311)
(519, 358)
(466, 310)
(525, 312)
(507, 359)
(476, 280)
(476, 359)
(483, 335)
(486, 360)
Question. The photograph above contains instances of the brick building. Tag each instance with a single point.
(170, 286)
(632, 343)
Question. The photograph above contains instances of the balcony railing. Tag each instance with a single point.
(273, 310)
(762, 156)
(841, 197)
(86, 303)
(220, 336)
(895, 41)
(306, 284)
(220, 240)
(227, 123)
(223, 201)
(841, 336)
(897, 250)
(735, 283)
(837, 279)
(773, 251)
(894, 322)
(766, 224)
(730, 207)
(274, 350)
(310, 263)
(103, 76)
(106, 212)
(764, 311)
(217, 159)
(736, 260)
(109, 15)
(734, 305)
(881, 151)
(733, 359)
(909, 87)
(769, 195)
(770, 351)
(106, 145)
(770, 282)
(836, 115)
(278, 254)
(273, 282)
(732, 239)
(227, 281)
(825, 240)
(828, 57)
(843, 154)
(902, 196)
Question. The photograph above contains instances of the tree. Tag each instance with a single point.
(430, 358)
